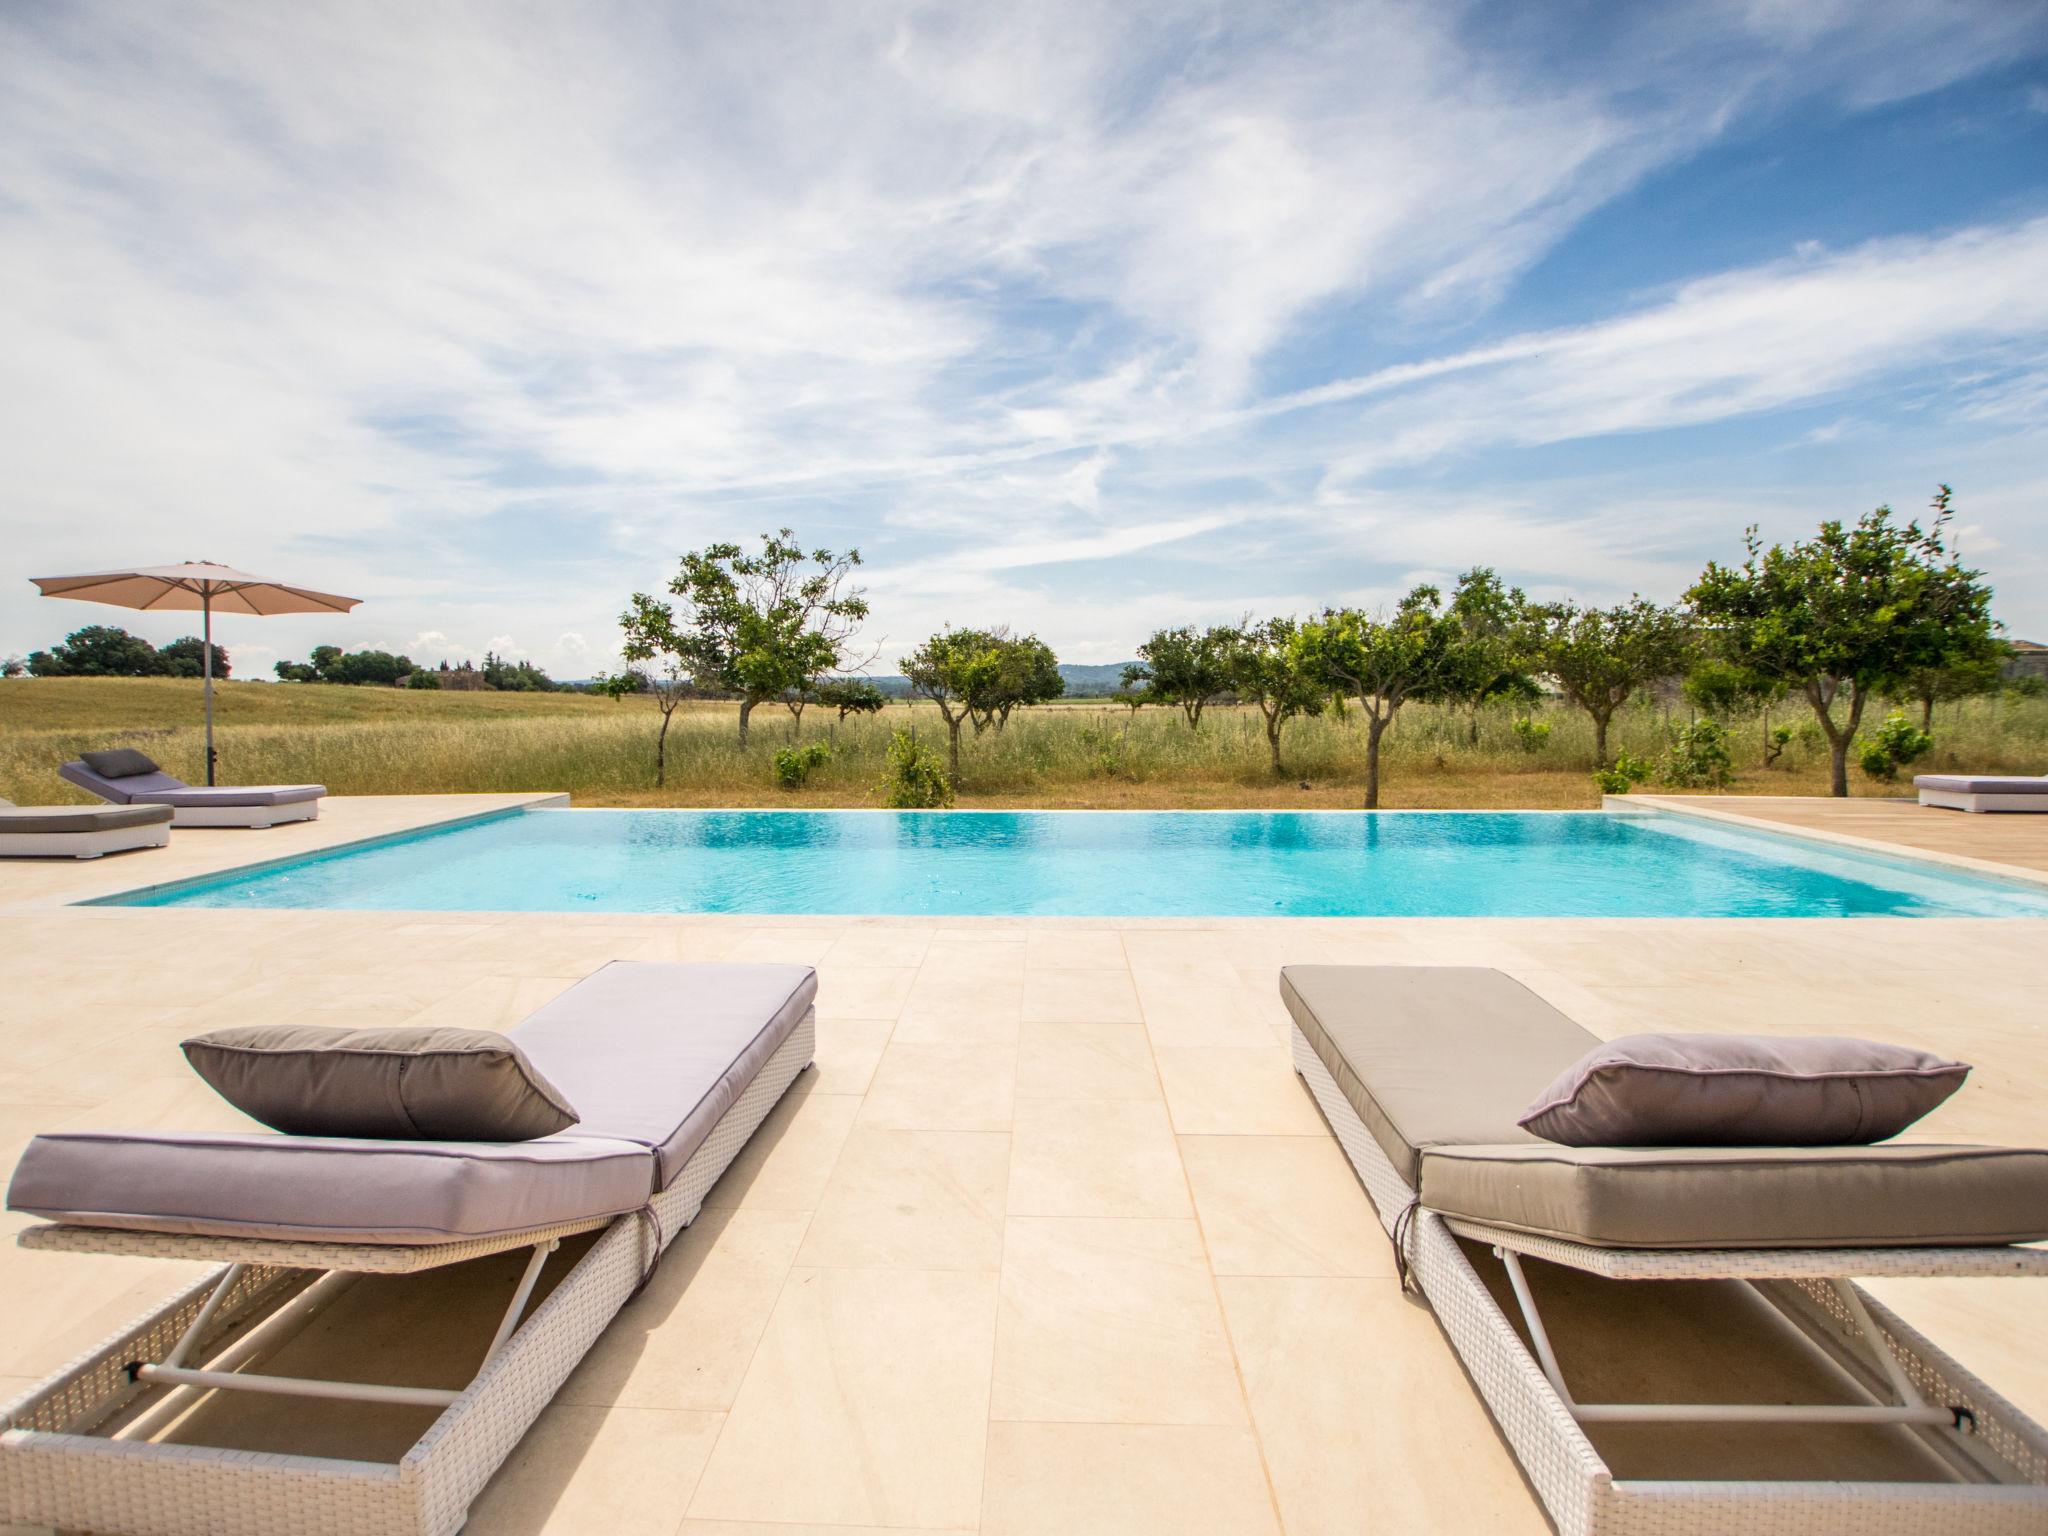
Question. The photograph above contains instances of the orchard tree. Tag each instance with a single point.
(1027, 672)
(956, 669)
(1600, 656)
(1133, 689)
(761, 626)
(1848, 614)
(1266, 668)
(1487, 657)
(1977, 667)
(850, 696)
(658, 664)
(1383, 662)
(1718, 689)
(1188, 667)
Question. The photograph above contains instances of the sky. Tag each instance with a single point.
(1083, 318)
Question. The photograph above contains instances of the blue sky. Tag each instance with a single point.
(1081, 318)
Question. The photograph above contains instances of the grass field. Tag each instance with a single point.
(1079, 753)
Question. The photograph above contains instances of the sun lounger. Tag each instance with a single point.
(671, 1067)
(1555, 1268)
(128, 778)
(80, 831)
(1958, 792)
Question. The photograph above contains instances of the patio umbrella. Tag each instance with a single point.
(202, 585)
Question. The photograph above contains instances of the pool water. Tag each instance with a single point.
(1111, 864)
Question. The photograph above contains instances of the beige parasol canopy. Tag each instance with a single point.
(201, 585)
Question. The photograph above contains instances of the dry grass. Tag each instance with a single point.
(385, 741)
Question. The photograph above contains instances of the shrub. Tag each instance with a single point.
(1531, 735)
(794, 764)
(423, 678)
(1105, 750)
(1699, 758)
(1775, 744)
(1628, 771)
(1894, 744)
(916, 779)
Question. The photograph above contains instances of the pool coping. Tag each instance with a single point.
(1670, 805)
(126, 896)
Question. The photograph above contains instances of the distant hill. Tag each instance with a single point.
(1082, 682)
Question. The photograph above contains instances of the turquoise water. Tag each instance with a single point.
(1110, 864)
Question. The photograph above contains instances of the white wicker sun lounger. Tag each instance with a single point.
(80, 831)
(125, 777)
(673, 1067)
(1442, 1058)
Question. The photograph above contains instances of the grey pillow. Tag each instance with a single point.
(392, 1084)
(118, 763)
(1740, 1091)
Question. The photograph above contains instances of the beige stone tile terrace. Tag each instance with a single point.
(1051, 1241)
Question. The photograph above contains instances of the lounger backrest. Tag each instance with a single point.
(1432, 1055)
(120, 791)
(644, 1061)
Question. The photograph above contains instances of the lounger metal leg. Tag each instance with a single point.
(1911, 1407)
(173, 1371)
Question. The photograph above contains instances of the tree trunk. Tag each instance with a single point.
(1927, 712)
(1472, 727)
(1375, 727)
(661, 752)
(1273, 723)
(1600, 736)
(1838, 737)
(746, 709)
(953, 753)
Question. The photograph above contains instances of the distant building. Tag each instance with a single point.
(2029, 659)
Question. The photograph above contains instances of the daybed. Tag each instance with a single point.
(1960, 792)
(80, 831)
(126, 777)
(1670, 1338)
(671, 1068)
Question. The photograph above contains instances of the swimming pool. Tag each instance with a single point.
(1110, 864)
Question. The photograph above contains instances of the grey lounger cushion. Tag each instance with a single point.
(325, 1189)
(409, 1084)
(1432, 1055)
(1439, 1061)
(1901, 1195)
(1963, 784)
(79, 818)
(1685, 1090)
(119, 763)
(159, 788)
(651, 1055)
(612, 1045)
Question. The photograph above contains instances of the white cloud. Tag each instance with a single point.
(498, 307)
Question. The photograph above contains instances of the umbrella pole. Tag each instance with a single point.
(206, 670)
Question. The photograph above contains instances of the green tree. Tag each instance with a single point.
(850, 696)
(1265, 667)
(1188, 667)
(1719, 689)
(1977, 667)
(957, 669)
(766, 625)
(1487, 658)
(659, 661)
(1600, 656)
(1027, 672)
(1383, 662)
(97, 650)
(1133, 689)
(1852, 612)
(186, 657)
